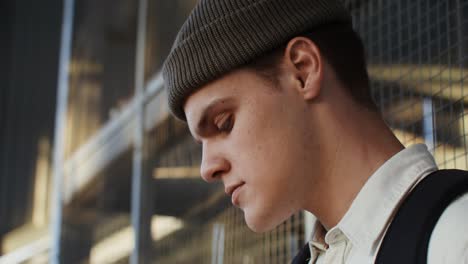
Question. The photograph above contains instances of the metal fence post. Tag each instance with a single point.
(59, 130)
(141, 209)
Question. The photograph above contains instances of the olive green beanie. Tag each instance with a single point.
(221, 35)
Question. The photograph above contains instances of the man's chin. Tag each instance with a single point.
(260, 224)
(259, 228)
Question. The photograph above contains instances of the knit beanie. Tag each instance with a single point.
(221, 35)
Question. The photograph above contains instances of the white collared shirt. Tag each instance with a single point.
(357, 237)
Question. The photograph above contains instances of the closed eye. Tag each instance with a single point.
(225, 122)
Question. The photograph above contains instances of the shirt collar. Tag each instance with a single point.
(369, 214)
(316, 241)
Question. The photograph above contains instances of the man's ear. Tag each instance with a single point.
(305, 62)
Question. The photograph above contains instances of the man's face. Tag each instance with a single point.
(257, 142)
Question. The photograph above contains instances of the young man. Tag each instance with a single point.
(277, 93)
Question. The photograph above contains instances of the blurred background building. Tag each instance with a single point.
(93, 169)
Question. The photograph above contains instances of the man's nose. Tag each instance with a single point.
(213, 166)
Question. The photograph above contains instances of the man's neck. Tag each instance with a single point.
(362, 146)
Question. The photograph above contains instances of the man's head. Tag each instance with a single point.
(262, 115)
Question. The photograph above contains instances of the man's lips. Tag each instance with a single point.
(231, 188)
(233, 191)
(235, 195)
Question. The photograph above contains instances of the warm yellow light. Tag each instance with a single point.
(121, 243)
(114, 247)
(425, 79)
(162, 226)
(176, 172)
(446, 156)
(39, 212)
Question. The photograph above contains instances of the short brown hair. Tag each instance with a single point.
(342, 48)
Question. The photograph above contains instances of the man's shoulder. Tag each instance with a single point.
(449, 239)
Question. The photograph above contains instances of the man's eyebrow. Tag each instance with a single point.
(202, 122)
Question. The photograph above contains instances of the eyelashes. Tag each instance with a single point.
(225, 123)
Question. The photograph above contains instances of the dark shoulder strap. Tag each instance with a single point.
(407, 238)
(303, 256)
